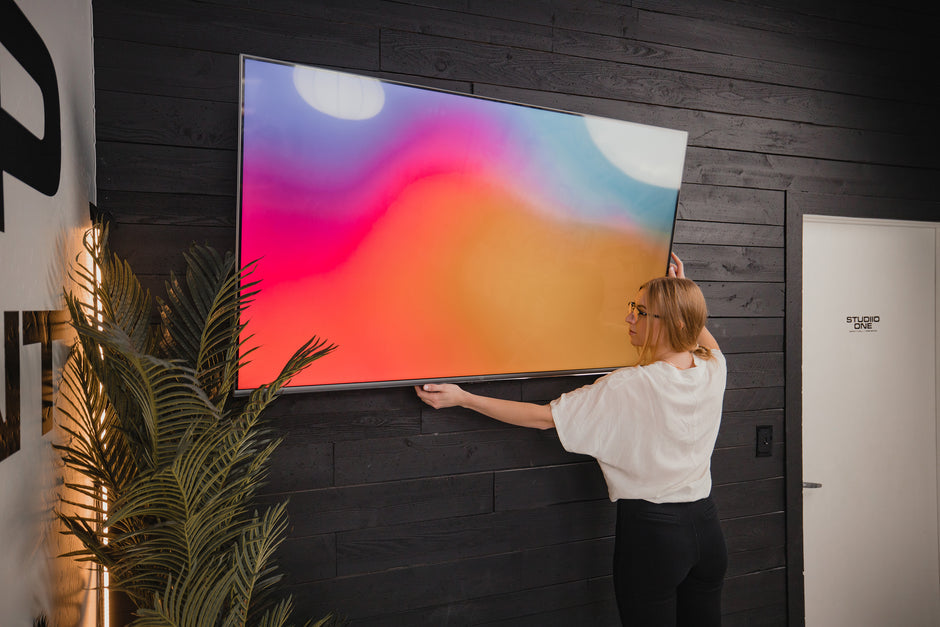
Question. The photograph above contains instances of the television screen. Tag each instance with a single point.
(439, 236)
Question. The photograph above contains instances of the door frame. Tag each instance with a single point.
(799, 204)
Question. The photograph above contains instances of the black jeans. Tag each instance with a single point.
(669, 564)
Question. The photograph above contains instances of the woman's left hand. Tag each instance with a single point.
(676, 269)
(439, 395)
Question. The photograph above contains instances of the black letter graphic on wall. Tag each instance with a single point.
(37, 329)
(10, 424)
(36, 162)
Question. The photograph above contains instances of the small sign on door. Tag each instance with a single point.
(862, 324)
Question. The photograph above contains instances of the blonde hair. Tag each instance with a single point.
(682, 312)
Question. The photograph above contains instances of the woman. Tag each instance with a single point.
(652, 428)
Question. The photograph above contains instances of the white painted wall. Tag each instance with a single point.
(41, 234)
(870, 423)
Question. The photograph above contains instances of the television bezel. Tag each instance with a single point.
(471, 379)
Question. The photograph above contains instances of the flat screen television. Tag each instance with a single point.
(437, 236)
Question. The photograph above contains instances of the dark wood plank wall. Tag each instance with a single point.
(401, 515)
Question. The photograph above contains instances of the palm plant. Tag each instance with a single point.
(151, 421)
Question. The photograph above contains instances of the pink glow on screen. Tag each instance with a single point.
(436, 239)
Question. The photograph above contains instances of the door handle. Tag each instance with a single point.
(811, 484)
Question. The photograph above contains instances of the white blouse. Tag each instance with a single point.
(651, 428)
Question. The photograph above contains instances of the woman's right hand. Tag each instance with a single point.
(676, 269)
(439, 395)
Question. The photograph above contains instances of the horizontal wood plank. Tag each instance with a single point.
(781, 172)
(592, 16)
(307, 559)
(452, 419)
(157, 250)
(756, 561)
(538, 606)
(782, 47)
(747, 335)
(441, 541)
(299, 465)
(528, 25)
(754, 533)
(166, 169)
(233, 31)
(368, 461)
(160, 70)
(737, 464)
(772, 615)
(328, 510)
(313, 426)
(733, 299)
(755, 370)
(738, 428)
(545, 389)
(750, 498)
(731, 263)
(690, 232)
(729, 131)
(714, 63)
(731, 204)
(437, 584)
(754, 591)
(367, 400)
(166, 121)
(391, 459)
(530, 488)
(169, 209)
(754, 399)
(832, 22)
(122, 66)
(600, 613)
(485, 63)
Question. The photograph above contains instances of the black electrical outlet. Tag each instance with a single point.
(765, 440)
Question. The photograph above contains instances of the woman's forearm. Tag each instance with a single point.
(512, 412)
(439, 395)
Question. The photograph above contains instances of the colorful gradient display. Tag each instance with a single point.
(437, 236)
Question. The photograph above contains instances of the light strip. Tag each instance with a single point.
(99, 315)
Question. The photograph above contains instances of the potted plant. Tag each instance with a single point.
(170, 459)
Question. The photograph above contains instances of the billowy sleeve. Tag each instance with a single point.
(597, 419)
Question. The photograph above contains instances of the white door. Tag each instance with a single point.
(870, 437)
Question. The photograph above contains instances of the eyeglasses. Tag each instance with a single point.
(639, 312)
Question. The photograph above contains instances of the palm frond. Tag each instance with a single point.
(201, 317)
(330, 620)
(276, 616)
(113, 291)
(253, 558)
(147, 422)
(264, 395)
